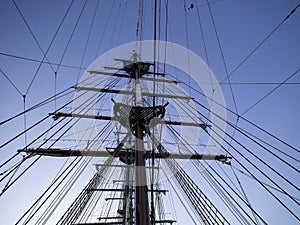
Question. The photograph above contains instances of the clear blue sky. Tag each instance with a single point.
(241, 27)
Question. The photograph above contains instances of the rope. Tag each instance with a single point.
(261, 43)
(270, 92)
(71, 36)
(222, 55)
(88, 38)
(38, 61)
(245, 195)
(234, 113)
(7, 78)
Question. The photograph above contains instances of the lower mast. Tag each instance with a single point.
(141, 196)
(142, 216)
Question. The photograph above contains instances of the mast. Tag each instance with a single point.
(141, 195)
(153, 102)
(136, 119)
(135, 207)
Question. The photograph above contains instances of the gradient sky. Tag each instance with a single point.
(241, 27)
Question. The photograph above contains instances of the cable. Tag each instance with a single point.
(263, 83)
(38, 61)
(6, 188)
(48, 188)
(285, 192)
(122, 22)
(187, 42)
(245, 195)
(224, 196)
(180, 199)
(7, 161)
(36, 106)
(265, 148)
(204, 46)
(222, 54)
(272, 146)
(249, 176)
(25, 120)
(73, 31)
(258, 158)
(27, 147)
(234, 113)
(29, 128)
(114, 27)
(88, 38)
(44, 53)
(270, 92)
(260, 44)
(7, 78)
(105, 28)
(46, 101)
(251, 163)
(184, 144)
(32, 34)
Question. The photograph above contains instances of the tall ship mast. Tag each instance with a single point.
(148, 133)
(138, 151)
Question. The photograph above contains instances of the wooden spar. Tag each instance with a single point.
(125, 92)
(56, 152)
(127, 76)
(100, 117)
